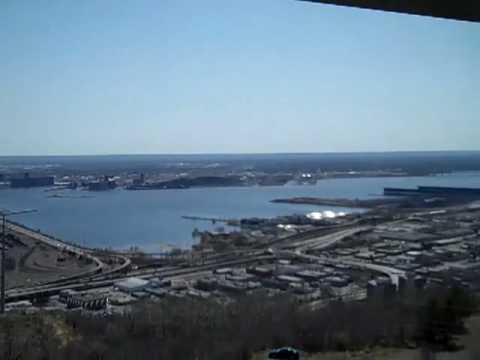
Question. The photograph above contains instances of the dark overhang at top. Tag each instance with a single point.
(468, 10)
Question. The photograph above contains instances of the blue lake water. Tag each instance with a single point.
(150, 219)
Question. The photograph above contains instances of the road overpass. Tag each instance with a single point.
(59, 245)
(171, 273)
(325, 241)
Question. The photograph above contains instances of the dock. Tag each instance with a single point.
(213, 220)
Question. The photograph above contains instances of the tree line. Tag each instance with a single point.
(209, 330)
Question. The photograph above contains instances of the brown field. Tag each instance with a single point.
(37, 263)
(470, 342)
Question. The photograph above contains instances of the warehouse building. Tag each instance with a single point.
(132, 285)
(26, 181)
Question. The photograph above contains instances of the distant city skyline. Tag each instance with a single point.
(270, 76)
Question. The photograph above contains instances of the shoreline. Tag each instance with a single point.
(337, 202)
(66, 243)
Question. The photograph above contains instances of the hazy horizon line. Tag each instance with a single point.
(242, 153)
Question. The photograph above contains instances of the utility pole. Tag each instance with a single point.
(2, 280)
(4, 214)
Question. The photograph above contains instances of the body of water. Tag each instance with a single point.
(151, 219)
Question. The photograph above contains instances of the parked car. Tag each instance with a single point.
(286, 353)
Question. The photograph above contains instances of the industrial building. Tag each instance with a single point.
(432, 190)
(132, 285)
(27, 181)
(103, 185)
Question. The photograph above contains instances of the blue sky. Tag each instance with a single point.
(177, 76)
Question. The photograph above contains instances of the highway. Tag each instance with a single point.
(323, 242)
(392, 273)
(171, 273)
(298, 249)
(151, 270)
(55, 244)
(324, 230)
(97, 271)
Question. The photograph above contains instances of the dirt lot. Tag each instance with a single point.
(36, 262)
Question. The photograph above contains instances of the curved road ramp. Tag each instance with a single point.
(42, 259)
